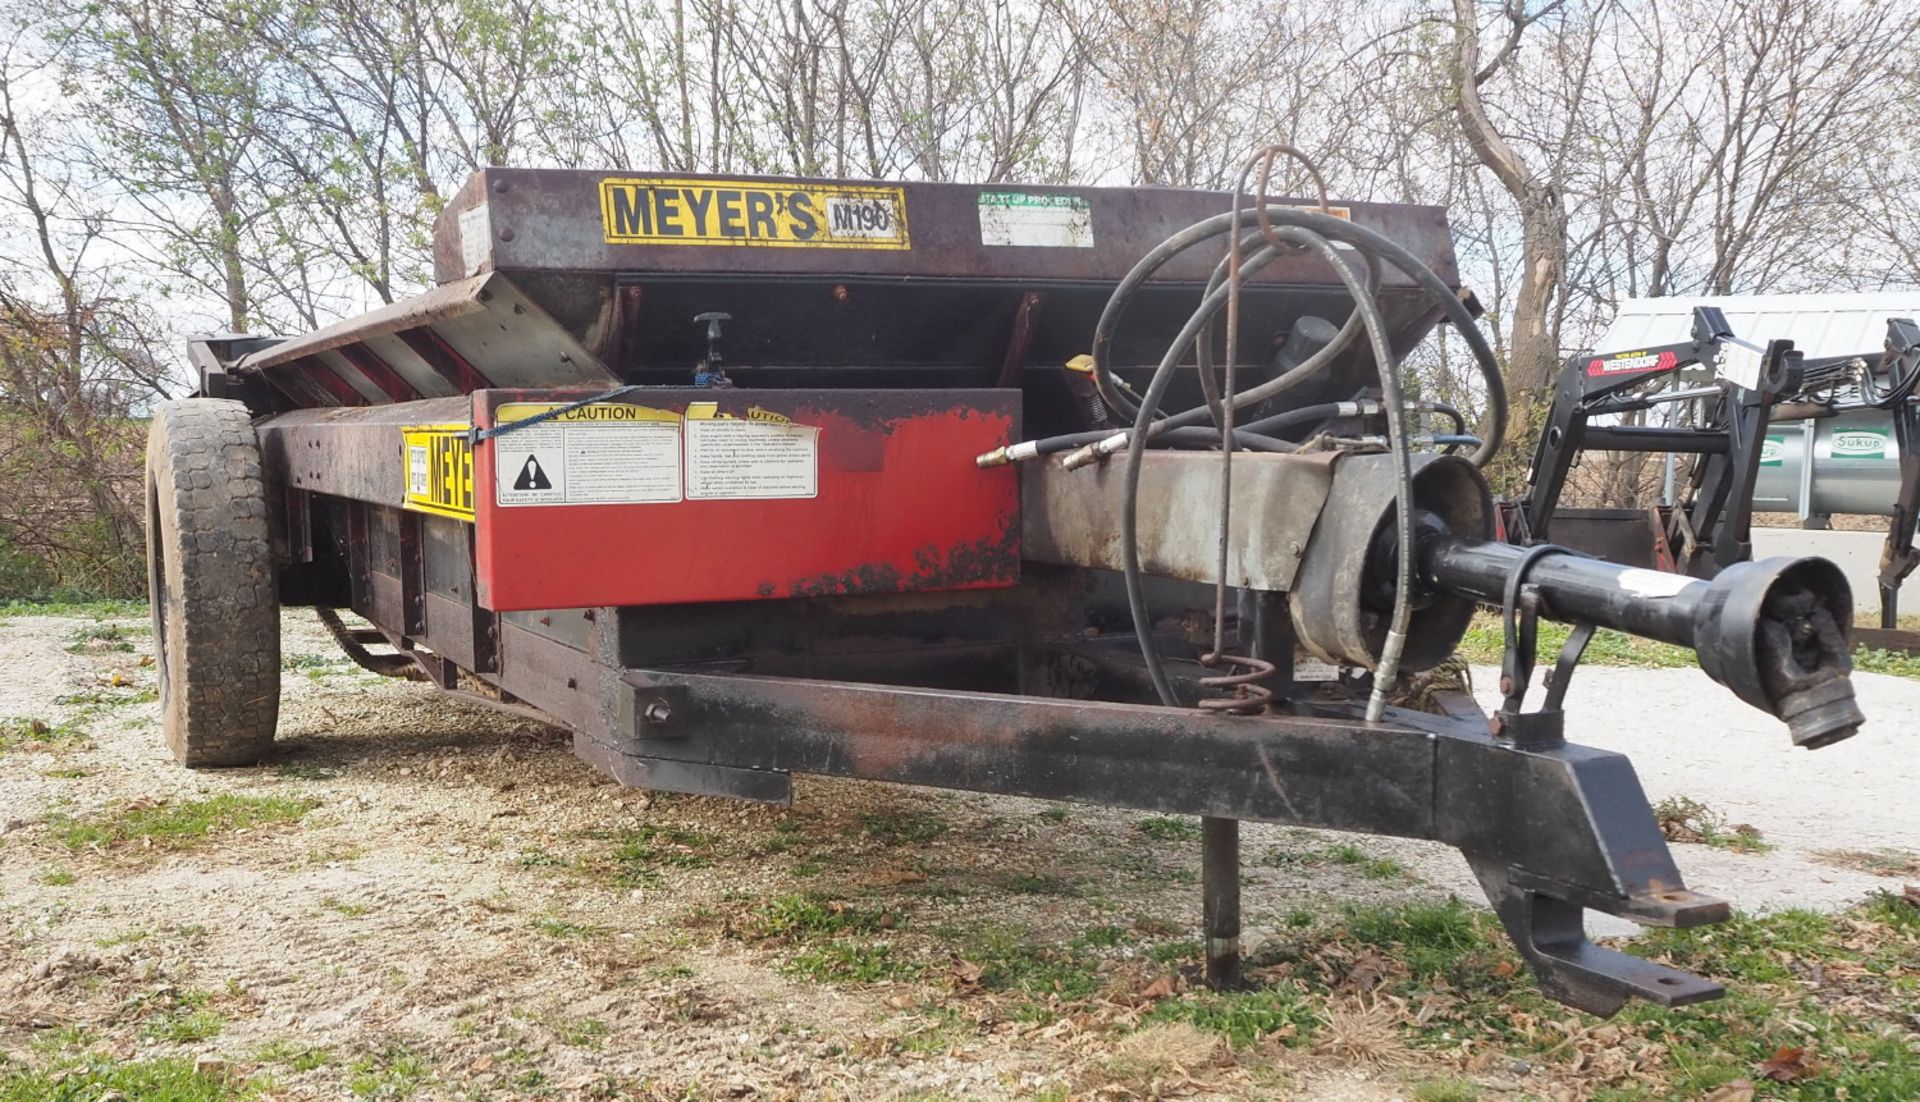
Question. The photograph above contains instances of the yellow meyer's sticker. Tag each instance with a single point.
(439, 470)
(667, 211)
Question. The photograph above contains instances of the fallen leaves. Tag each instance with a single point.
(964, 976)
(1788, 1064)
(1740, 1090)
(891, 876)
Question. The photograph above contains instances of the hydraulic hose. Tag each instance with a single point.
(1375, 325)
(1253, 436)
(1369, 243)
(1203, 347)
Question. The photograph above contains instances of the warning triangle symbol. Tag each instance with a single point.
(532, 476)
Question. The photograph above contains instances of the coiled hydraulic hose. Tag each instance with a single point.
(1298, 229)
(1377, 335)
(1370, 244)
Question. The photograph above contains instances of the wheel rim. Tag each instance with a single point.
(157, 592)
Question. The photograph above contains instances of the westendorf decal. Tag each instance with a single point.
(1631, 362)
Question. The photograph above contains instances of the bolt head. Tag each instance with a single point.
(658, 711)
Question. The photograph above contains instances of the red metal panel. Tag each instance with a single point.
(378, 372)
(441, 357)
(341, 391)
(900, 506)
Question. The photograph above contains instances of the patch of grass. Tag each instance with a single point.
(1432, 939)
(1484, 643)
(185, 1028)
(56, 876)
(94, 1077)
(902, 828)
(563, 930)
(1242, 1017)
(1895, 663)
(1103, 937)
(311, 661)
(101, 638)
(127, 936)
(95, 609)
(351, 910)
(588, 1033)
(29, 733)
(1843, 987)
(1162, 828)
(1342, 853)
(852, 960)
(1172, 952)
(1836, 985)
(1683, 819)
(183, 1017)
(178, 825)
(936, 1030)
(1886, 861)
(66, 773)
(1445, 1090)
(391, 1073)
(1027, 883)
(834, 941)
(1374, 868)
(1015, 961)
(1898, 912)
(107, 699)
(639, 853)
(1054, 814)
(803, 916)
(294, 1057)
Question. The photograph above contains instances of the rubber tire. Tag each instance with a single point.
(211, 580)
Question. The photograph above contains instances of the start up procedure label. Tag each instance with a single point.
(663, 211)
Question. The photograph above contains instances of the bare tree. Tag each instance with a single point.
(1533, 342)
(75, 356)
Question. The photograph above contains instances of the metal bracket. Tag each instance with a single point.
(1520, 618)
(1551, 934)
(652, 712)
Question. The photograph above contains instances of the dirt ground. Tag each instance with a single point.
(437, 901)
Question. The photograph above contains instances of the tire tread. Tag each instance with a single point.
(207, 496)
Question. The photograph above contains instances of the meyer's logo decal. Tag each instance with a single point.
(1632, 361)
(439, 470)
(1773, 451)
(1857, 444)
(668, 211)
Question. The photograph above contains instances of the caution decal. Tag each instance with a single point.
(669, 211)
(439, 468)
(609, 453)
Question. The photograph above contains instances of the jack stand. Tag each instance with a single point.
(1220, 886)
